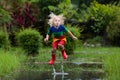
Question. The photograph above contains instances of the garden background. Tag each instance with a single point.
(23, 26)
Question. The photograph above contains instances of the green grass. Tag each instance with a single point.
(109, 56)
(112, 66)
(44, 54)
(9, 61)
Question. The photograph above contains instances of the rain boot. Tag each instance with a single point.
(65, 56)
(51, 62)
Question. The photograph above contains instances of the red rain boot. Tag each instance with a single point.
(65, 56)
(51, 62)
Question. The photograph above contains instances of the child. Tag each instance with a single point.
(57, 28)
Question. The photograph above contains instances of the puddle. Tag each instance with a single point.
(71, 74)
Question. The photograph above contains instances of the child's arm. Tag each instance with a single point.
(47, 38)
(70, 33)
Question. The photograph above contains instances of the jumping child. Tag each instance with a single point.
(58, 29)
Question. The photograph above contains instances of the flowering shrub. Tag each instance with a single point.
(24, 16)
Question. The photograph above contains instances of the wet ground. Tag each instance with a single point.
(74, 72)
(31, 75)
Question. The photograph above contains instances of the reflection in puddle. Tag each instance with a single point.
(33, 75)
(70, 74)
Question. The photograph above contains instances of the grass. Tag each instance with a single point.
(112, 66)
(9, 61)
(109, 56)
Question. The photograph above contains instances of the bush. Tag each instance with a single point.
(65, 8)
(97, 39)
(113, 29)
(4, 42)
(94, 42)
(102, 14)
(4, 16)
(71, 44)
(106, 21)
(30, 41)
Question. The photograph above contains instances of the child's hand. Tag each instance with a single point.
(46, 39)
(75, 38)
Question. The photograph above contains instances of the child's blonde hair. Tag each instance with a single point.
(53, 16)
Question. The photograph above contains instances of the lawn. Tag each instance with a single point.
(108, 56)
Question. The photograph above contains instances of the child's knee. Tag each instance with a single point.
(61, 46)
(53, 51)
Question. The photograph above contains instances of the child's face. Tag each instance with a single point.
(57, 21)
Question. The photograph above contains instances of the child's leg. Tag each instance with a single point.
(54, 45)
(61, 46)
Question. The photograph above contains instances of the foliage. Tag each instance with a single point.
(30, 41)
(113, 29)
(65, 8)
(109, 1)
(8, 63)
(44, 6)
(4, 16)
(4, 41)
(6, 8)
(24, 16)
(25, 13)
(20, 11)
(80, 3)
(102, 14)
(95, 40)
(71, 44)
(106, 20)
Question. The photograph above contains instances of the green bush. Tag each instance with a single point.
(71, 44)
(102, 14)
(30, 41)
(65, 8)
(95, 40)
(4, 16)
(113, 29)
(4, 42)
(106, 19)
